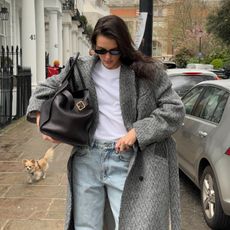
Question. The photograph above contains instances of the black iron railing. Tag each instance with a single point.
(6, 98)
(15, 89)
(23, 90)
(10, 58)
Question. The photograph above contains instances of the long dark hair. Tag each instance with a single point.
(114, 27)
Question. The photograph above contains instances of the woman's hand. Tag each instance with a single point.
(45, 137)
(127, 141)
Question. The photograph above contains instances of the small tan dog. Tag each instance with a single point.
(36, 169)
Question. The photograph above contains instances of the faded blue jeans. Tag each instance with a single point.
(96, 170)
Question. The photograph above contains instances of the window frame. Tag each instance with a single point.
(197, 100)
(206, 88)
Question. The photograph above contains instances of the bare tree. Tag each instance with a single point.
(187, 23)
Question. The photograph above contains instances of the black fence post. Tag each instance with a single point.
(16, 52)
(3, 59)
(12, 60)
(7, 59)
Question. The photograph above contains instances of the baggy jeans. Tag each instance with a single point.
(96, 170)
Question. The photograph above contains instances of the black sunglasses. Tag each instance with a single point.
(104, 51)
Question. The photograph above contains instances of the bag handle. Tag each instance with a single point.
(82, 81)
(71, 71)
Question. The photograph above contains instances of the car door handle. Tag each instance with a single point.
(202, 134)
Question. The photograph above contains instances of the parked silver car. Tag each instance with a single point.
(184, 79)
(203, 148)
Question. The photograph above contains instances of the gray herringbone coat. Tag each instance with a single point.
(151, 192)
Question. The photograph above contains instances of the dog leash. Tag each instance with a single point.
(55, 146)
(39, 166)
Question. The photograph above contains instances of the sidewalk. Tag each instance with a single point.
(36, 206)
(41, 206)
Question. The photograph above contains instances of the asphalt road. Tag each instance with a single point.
(192, 216)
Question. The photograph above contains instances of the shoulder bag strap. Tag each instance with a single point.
(69, 74)
(72, 63)
(80, 75)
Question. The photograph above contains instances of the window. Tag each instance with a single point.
(190, 99)
(220, 108)
(209, 103)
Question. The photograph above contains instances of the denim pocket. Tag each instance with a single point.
(81, 151)
(126, 155)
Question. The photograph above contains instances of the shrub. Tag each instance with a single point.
(182, 57)
(217, 63)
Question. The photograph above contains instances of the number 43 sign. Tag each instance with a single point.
(32, 37)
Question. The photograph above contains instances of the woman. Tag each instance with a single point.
(132, 156)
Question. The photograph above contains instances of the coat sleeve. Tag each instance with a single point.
(166, 118)
(44, 91)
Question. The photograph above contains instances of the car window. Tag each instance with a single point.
(181, 84)
(220, 108)
(208, 103)
(190, 99)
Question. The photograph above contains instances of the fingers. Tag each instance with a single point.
(47, 138)
(126, 142)
(121, 145)
(38, 118)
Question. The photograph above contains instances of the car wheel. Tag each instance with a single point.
(211, 206)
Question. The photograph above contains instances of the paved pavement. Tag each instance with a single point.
(42, 205)
(24, 206)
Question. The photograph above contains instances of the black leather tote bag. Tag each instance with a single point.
(68, 115)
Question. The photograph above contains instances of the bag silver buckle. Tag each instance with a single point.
(80, 105)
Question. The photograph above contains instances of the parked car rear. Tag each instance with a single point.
(184, 79)
(221, 73)
(203, 148)
(199, 66)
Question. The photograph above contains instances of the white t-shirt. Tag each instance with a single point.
(110, 125)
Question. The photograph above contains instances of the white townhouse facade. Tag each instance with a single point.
(52, 27)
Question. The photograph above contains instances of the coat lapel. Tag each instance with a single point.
(128, 96)
(87, 68)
